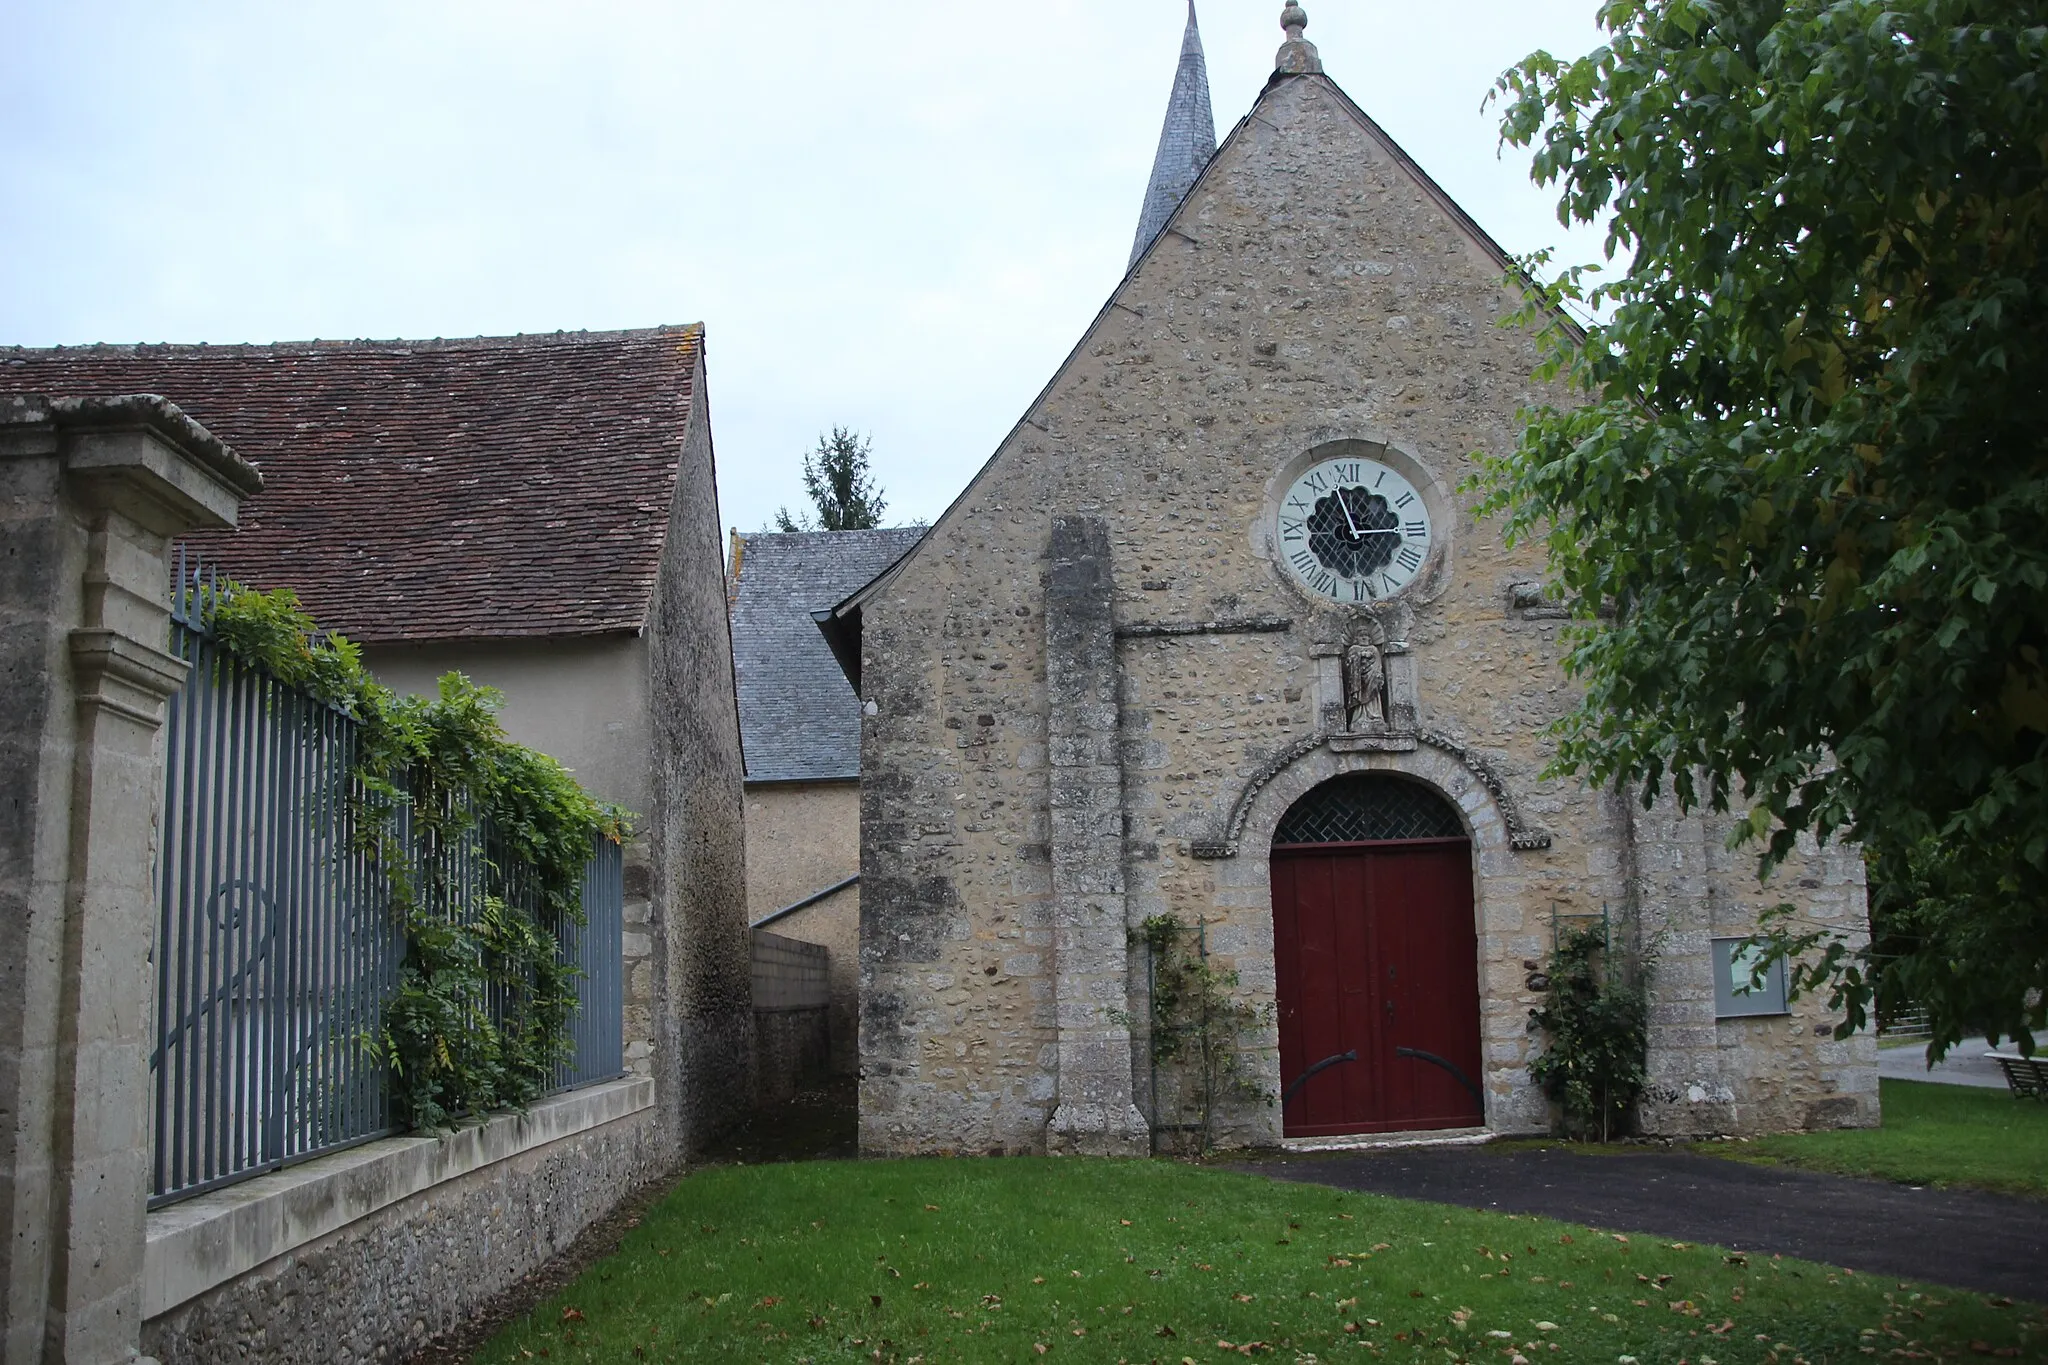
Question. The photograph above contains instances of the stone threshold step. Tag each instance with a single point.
(1367, 1142)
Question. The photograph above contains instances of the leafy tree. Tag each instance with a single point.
(1806, 468)
(841, 488)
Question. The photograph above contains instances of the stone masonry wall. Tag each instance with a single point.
(42, 558)
(704, 1042)
(1311, 290)
(385, 1284)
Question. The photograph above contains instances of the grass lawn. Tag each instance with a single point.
(1098, 1261)
(1932, 1135)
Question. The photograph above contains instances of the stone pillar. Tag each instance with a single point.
(1095, 1114)
(1672, 889)
(91, 493)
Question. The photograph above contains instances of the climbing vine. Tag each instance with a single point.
(1198, 1022)
(1598, 1017)
(479, 1018)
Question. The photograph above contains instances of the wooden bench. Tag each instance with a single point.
(2026, 1076)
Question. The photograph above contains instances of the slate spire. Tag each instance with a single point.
(1186, 142)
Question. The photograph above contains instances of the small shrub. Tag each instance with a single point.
(1198, 1023)
(1598, 1018)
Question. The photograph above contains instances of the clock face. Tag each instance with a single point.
(1353, 531)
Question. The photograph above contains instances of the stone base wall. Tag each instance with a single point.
(793, 1049)
(792, 1016)
(384, 1285)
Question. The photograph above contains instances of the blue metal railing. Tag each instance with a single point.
(277, 944)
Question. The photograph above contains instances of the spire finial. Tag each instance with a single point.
(1298, 56)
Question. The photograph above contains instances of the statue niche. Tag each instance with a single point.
(1368, 691)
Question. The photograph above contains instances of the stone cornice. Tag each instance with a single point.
(118, 674)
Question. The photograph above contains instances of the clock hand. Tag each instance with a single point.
(1341, 502)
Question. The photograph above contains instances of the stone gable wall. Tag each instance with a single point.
(1310, 290)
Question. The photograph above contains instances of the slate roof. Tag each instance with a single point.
(1187, 140)
(799, 717)
(486, 488)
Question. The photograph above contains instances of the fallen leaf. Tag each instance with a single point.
(1165, 1331)
(1546, 1327)
(572, 1315)
(1123, 1222)
(1340, 1260)
(1038, 1279)
(1040, 1347)
(1566, 1239)
(875, 1299)
(768, 1302)
(1381, 1246)
(931, 1208)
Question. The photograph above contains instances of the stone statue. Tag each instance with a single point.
(1365, 688)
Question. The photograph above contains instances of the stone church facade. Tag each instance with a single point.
(1220, 587)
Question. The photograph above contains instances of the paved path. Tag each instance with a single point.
(1964, 1065)
(1961, 1238)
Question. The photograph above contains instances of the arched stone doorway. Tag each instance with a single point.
(1376, 960)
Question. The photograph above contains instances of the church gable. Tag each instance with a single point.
(1314, 278)
(1221, 563)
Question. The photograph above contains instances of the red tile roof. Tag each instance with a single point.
(495, 487)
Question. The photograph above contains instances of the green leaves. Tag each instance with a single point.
(431, 773)
(1595, 1061)
(1805, 458)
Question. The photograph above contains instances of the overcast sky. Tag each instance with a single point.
(895, 215)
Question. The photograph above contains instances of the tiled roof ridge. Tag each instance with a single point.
(693, 331)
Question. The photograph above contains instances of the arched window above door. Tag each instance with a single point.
(1367, 808)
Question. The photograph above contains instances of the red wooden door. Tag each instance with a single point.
(1376, 952)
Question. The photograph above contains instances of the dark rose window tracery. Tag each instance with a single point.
(1330, 532)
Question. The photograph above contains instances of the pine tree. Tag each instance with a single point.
(842, 489)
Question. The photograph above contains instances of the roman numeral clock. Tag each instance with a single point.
(1353, 531)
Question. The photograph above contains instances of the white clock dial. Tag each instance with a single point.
(1353, 531)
